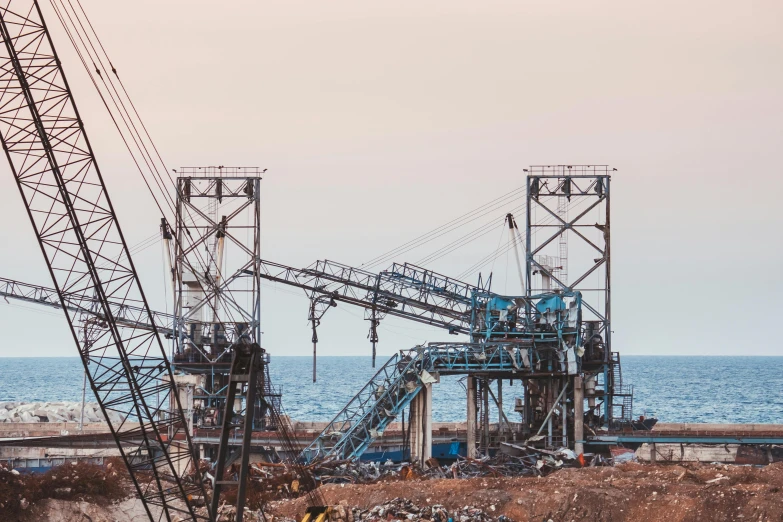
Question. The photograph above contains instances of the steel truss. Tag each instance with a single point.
(209, 300)
(371, 410)
(246, 367)
(76, 226)
(124, 314)
(548, 187)
(404, 290)
(400, 379)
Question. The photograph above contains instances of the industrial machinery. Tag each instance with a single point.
(554, 337)
(213, 245)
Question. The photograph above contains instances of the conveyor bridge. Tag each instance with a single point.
(400, 379)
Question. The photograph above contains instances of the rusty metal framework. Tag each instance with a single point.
(550, 191)
(76, 226)
(215, 307)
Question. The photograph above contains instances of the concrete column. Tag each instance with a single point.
(416, 441)
(471, 427)
(421, 425)
(427, 423)
(485, 414)
(579, 415)
(500, 405)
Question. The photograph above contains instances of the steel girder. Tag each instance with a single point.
(398, 381)
(405, 291)
(368, 414)
(124, 314)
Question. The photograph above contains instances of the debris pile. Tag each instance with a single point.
(625, 492)
(402, 509)
(281, 480)
(68, 482)
(54, 412)
(512, 461)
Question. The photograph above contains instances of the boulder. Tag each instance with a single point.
(90, 415)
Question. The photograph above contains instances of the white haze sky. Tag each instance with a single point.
(379, 121)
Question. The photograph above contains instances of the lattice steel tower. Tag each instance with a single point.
(574, 200)
(216, 285)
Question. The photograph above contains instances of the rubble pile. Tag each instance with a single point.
(514, 461)
(402, 509)
(19, 491)
(625, 492)
(54, 412)
(278, 481)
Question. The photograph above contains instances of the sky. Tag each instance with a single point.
(379, 121)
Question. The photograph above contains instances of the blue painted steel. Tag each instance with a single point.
(550, 303)
(504, 340)
(368, 414)
(443, 451)
(639, 439)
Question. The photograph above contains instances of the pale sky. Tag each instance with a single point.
(380, 121)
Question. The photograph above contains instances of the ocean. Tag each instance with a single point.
(674, 389)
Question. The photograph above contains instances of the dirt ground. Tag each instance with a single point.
(53, 510)
(626, 492)
(633, 492)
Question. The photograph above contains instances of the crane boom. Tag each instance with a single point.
(126, 315)
(76, 226)
(404, 290)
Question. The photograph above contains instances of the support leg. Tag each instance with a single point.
(471, 426)
(416, 426)
(579, 415)
(485, 414)
(427, 423)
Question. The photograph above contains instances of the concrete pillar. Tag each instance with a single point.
(485, 416)
(500, 404)
(579, 415)
(427, 423)
(415, 427)
(653, 453)
(564, 412)
(471, 427)
(421, 425)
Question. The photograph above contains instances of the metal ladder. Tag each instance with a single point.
(628, 405)
(617, 373)
(368, 414)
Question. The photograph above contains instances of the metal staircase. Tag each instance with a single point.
(368, 414)
(619, 390)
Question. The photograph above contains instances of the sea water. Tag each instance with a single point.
(675, 389)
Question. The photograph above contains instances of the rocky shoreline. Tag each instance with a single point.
(55, 412)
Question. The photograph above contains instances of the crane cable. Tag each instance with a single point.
(125, 116)
(503, 250)
(444, 229)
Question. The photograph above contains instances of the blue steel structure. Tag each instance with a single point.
(509, 340)
(553, 339)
